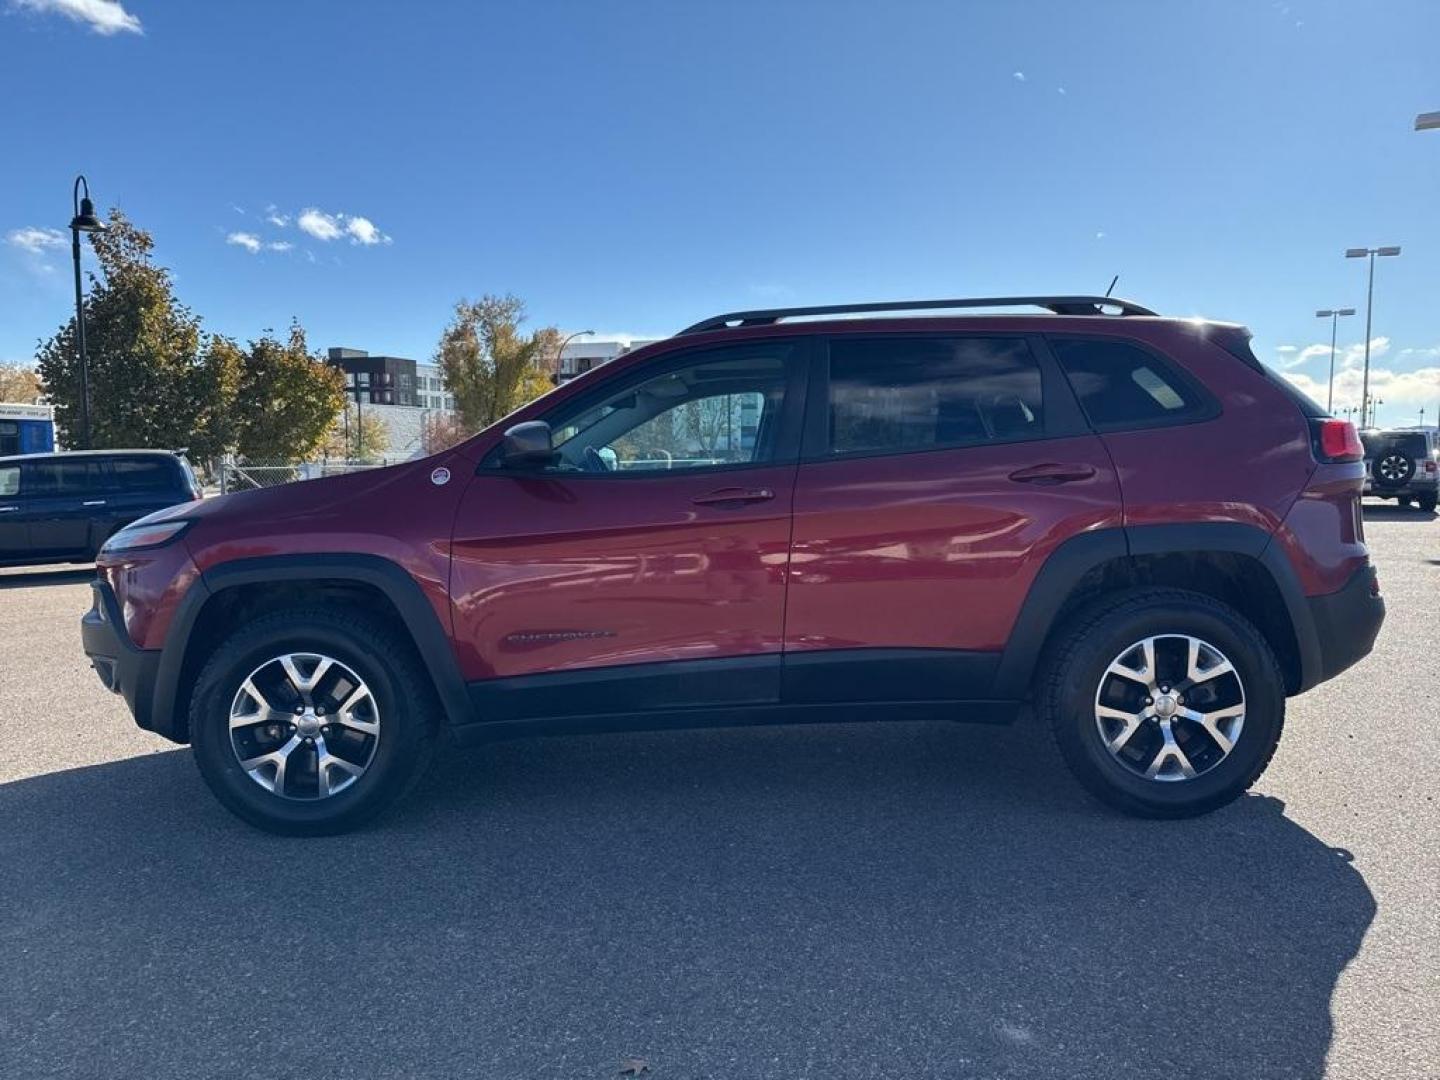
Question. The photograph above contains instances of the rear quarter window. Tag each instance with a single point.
(1121, 385)
(146, 474)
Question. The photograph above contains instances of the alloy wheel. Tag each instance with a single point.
(304, 726)
(1170, 707)
(1393, 468)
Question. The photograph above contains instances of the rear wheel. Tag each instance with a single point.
(1164, 703)
(310, 721)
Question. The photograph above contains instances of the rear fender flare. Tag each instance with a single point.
(1076, 557)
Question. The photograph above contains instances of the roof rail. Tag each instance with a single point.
(1058, 305)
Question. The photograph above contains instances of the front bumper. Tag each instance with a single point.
(1347, 622)
(123, 668)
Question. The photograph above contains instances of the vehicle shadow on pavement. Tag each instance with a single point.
(900, 900)
(26, 579)
(1379, 512)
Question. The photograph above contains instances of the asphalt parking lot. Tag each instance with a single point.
(892, 900)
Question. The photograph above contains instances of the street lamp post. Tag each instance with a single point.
(84, 220)
(1333, 315)
(560, 353)
(1360, 253)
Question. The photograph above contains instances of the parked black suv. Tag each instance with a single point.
(1403, 465)
(62, 507)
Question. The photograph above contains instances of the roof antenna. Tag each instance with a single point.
(1113, 280)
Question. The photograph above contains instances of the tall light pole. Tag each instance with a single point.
(83, 221)
(1333, 314)
(1360, 253)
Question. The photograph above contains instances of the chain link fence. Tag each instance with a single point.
(246, 475)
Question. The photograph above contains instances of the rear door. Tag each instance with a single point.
(14, 523)
(63, 495)
(939, 472)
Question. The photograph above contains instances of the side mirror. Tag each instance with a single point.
(528, 446)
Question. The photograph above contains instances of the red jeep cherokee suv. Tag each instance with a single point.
(1122, 520)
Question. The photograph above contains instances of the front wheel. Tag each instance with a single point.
(1164, 703)
(311, 721)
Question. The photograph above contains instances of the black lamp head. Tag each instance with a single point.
(85, 220)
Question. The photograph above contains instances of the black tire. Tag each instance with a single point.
(1403, 501)
(387, 664)
(1075, 665)
(1427, 502)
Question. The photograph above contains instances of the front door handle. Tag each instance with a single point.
(8, 509)
(93, 502)
(1051, 473)
(733, 496)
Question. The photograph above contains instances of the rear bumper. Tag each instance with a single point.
(1347, 622)
(123, 668)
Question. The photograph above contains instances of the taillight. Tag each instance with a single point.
(1430, 466)
(1335, 440)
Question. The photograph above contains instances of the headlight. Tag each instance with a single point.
(138, 536)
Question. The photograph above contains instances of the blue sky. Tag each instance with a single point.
(633, 167)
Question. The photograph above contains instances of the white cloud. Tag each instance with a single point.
(1018, 76)
(1061, 91)
(275, 217)
(1346, 356)
(104, 17)
(1432, 353)
(1099, 236)
(320, 225)
(363, 231)
(280, 245)
(35, 240)
(249, 241)
(327, 227)
(1401, 392)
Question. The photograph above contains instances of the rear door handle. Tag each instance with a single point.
(93, 502)
(733, 496)
(8, 509)
(1051, 473)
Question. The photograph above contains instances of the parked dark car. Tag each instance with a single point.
(61, 507)
(1403, 465)
(1126, 522)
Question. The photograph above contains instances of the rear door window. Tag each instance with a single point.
(59, 478)
(899, 394)
(1121, 385)
(9, 481)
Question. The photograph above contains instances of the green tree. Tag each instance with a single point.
(287, 400)
(488, 364)
(152, 378)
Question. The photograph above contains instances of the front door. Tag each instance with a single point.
(14, 522)
(939, 473)
(657, 543)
